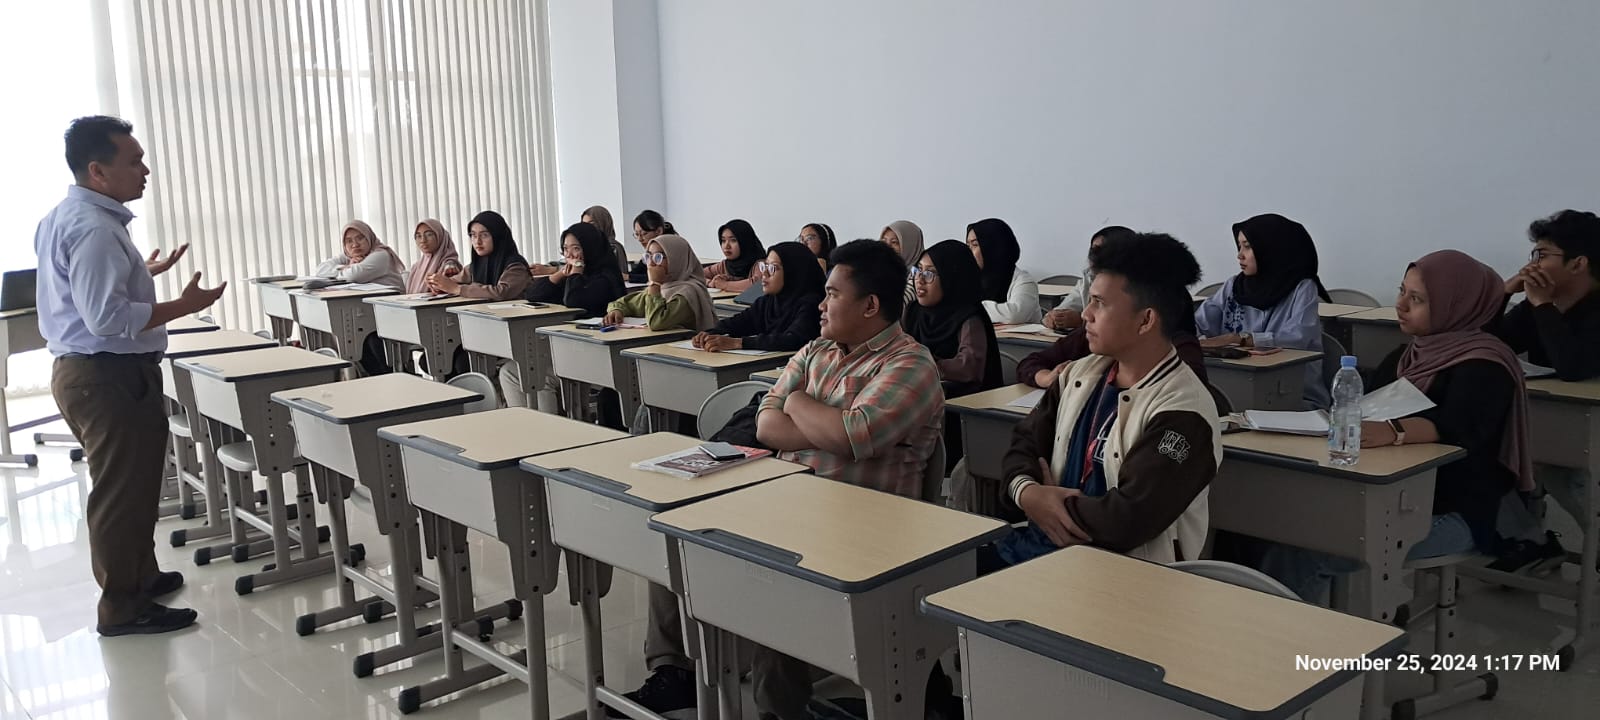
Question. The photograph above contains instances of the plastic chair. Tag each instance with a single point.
(330, 352)
(1209, 290)
(1445, 629)
(1346, 296)
(1061, 280)
(722, 404)
(1008, 366)
(1332, 351)
(480, 384)
(263, 334)
(1245, 577)
(933, 473)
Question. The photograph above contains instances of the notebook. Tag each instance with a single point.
(694, 462)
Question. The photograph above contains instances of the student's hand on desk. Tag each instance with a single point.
(612, 318)
(718, 343)
(1376, 434)
(699, 340)
(1062, 319)
(1229, 340)
(1046, 378)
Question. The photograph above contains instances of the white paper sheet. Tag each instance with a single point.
(1309, 422)
(1396, 400)
(1029, 401)
(689, 345)
(1034, 328)
(1530, 370)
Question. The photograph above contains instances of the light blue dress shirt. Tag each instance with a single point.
(1293, 323)
(95, 294)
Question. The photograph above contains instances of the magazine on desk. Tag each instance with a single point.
(694, 462)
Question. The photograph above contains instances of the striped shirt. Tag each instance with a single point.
(893, 408)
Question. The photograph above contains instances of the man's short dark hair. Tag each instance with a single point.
(93, 139)
(1112, 232)
(1576, 232)
(1159, 270)
(875, 269)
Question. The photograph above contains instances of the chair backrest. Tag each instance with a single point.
(480, 384)
(1008, 366)
(330, 352)
(722, 404)
(1209, 290)
(1224, 403)
(208, 319)
(1346, 296)
(933, 474)
(1233, 574)
(1061, 280)
(1332, 350)
(263, 334)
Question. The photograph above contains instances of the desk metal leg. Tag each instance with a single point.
(285, 568)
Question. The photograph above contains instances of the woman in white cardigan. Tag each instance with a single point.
(1009, 293)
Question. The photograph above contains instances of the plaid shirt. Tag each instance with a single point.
(893, 408)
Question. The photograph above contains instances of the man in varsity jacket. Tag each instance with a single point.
(1120, 451)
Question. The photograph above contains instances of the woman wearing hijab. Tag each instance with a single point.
(1010, 295)
(741, 250)
(1272, 302)
(497, 272)
(1481, 405)
(648, 226)
(820, 240)
(786, 316)
(437, 255)
(948, 318)
(906, 238)
(600, 217)
(676, 298)
(365, 259)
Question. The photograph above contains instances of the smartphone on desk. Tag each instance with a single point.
(721, 451)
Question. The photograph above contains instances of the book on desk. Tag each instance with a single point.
(696, 462)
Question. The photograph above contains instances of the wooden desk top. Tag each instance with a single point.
(619, 335)
(1373, 316)
(841, 536)
(189, 325)
(284, 284)
(701, 358)
(267, 362)
(768, 376)
(420, 300)
(516, 310)
(606, 469)
(1164, 630)
(1379, 465)
(1055, 290)
(338, 292)
(1266, 362)
(1335, 310)
(995, 399)
(216, 341)
(373, 397)
(1586, 392)
(497, 438)
(718, 295)
(1047, 337)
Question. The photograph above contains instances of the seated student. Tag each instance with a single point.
(1010, 295)
(648, 226)
(438, 255)
(948, 318)
(857, 406)
(741, 250)
(785, 317)
(600, 217)
(1558, 326)
(497, 272)
(1069, 314)
(1445, 301)
(1272, 302)
(676, 297)
(820, 240)
(1041, 368)
(1122, 448)
(366, 260)
(588, 280)
(904, 237)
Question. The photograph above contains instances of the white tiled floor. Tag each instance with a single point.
(244, 661)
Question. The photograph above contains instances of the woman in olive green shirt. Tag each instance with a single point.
(676, 297)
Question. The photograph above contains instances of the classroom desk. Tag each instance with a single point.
(722, 295)
(600, 507)
(507, 330)
(194, 457)
(986, 424)
(728, 308)
(1374, 333)
(187, 325)
(769, 377)
(462, 473)
(337, 426)
(1263, 382)
(1148, 641)
(583, 358)
(1055, 292)
(1332, 315)
(21, 334)
(1564, 430)
(830, 574)
(276, 303)
(1027, 343)
(232, 395)
(678, 380)
(336, 318)
(406, 320)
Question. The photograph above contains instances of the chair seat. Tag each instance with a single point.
(179, 425)
(1441, 561)
(238, 457)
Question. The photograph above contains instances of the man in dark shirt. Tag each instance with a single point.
(1558, 326)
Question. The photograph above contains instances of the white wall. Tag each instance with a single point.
(1388, 128)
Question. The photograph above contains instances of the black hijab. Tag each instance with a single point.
(1000, 255)
(486, 269)
(1285, 255)
(597, 255)
(939, 327)
(829, 242)
(802, 286)
(750, 249)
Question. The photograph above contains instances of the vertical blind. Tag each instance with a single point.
(270, 125)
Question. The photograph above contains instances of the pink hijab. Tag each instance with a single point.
(435, 261)
(1465, 295)
(375, 245)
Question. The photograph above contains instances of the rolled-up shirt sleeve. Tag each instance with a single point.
(98, 275)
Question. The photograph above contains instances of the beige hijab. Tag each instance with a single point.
(686, 278)
(910, 240)
(600, 217)
(373, 245)
(435, 261)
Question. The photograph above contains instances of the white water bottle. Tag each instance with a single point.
(1344, 419)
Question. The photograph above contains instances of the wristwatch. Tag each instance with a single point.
(1244, 338)
(1399, 432)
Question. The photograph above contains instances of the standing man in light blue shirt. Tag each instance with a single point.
(100, 319)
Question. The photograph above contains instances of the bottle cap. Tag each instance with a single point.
(1347, 361)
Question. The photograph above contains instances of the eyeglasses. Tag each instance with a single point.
(1540, 254)
(768, 268)
(808, 239)
(926, 276)
(655, 258)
